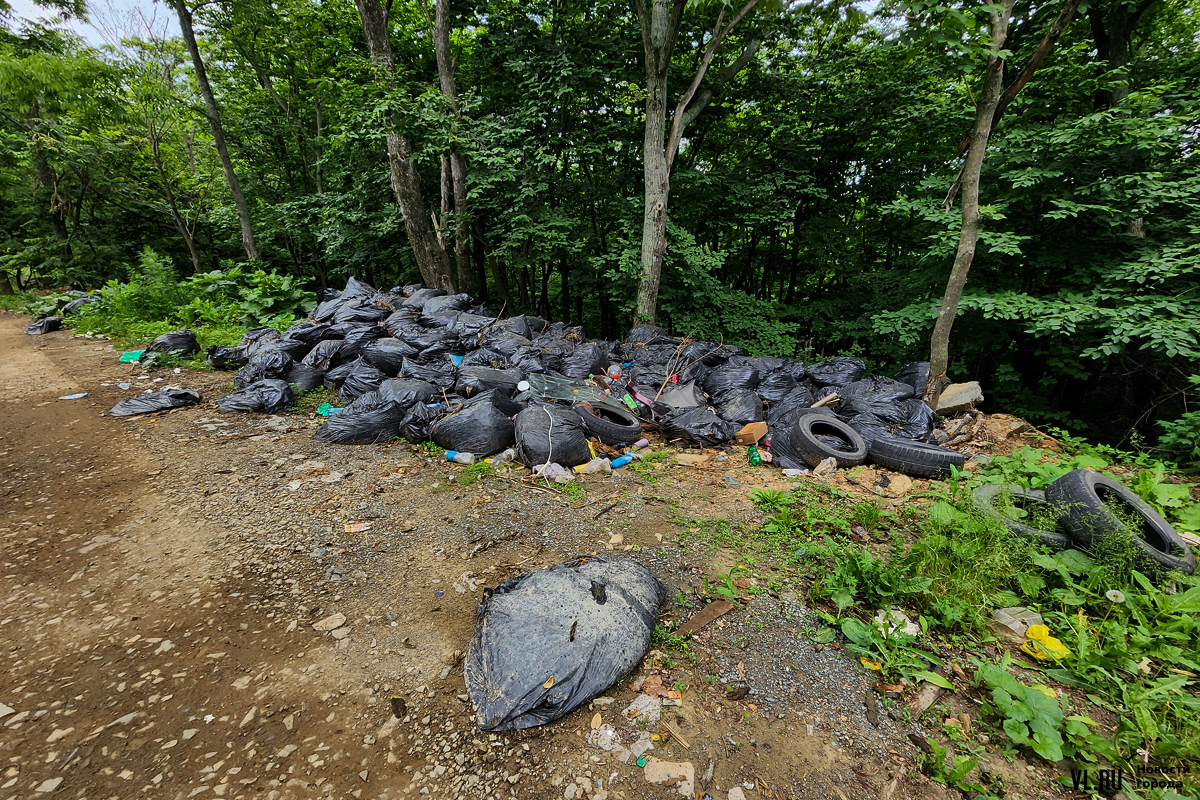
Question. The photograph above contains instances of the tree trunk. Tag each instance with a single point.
(458, 164)
(180, 222)
(46, 177)
(939, 349)
(214, 121)
(406, 183)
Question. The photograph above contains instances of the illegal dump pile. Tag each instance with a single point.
(425, 365)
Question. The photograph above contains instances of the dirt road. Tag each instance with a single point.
(162, 576)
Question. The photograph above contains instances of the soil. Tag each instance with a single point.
(163, 574)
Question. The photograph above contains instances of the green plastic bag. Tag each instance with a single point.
(132, 357)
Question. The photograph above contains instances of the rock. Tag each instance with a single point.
(5, 711)
(736, 793)
(959, 397)
(49, 785)
(826, 467)
(330, 623)
(691, 459)
(342, 632)
(680, 775)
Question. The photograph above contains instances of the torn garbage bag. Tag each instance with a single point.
(548, 641)
(269, 395)
(418, 422)
(682, 395)
(44, 325)
(181, 343)
(368, 420)
(916, 375)
(740, 406)
(479, 426)
(162, 400)
(699, 427)
(325, 355)
(551, 434)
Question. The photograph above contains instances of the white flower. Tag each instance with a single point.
(1114, 596)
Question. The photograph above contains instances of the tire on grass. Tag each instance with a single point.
(1080, 496)
(985, 497)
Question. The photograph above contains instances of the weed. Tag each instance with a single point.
(663, 638)
(308, 402)
(867, 515)
(478, 471)
(430, 449)
(573, 490)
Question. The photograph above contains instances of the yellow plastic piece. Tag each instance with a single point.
(1042, 646)
(869, 664)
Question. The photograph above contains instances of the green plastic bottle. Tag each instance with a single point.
(752, 454)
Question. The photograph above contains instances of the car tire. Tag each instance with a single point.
(985, 497)
(814, 451)
(919, 459)
(1080, 496)
(612, 425)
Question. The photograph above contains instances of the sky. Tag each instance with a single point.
(110, 19)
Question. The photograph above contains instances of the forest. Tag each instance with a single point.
(799, 179)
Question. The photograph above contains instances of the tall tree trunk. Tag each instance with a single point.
(406, 183)
(993, 80)
(214, 121)
(180, 222)
(458, 164)
(49, 181)
(660, 24)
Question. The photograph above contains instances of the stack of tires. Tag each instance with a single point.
(1080, 501)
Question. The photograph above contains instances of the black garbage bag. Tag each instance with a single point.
(447, 344)
(700, 427)
(226, 357)
(649, 378)
(908, 419)
(258, 337)
(535, 360)
(504, 342)
(419, 419)
(783, 455)
(518, 325)
(483, 358)
(873, 395)
(330, 293)
(548, 641)
(441, 373)
(916, 375)
(836, 371)
(294, 349)
(447, 302)
(388, 354)
(304, 378)
(398, 320)
(308, 332)
(478, 426)
(357, 339)
(551, 434)
(738, 372)
(476, 380)
(776, 385)
(468, 326)
(181, 343)
(335, 376)
(269, 364)
(787, 410)
(356, 288)
(368, 420)
(642, 335)
(162, 400)
(360, 311)
(326, 310)
(75, 305)
(740, 406)
(268, 395)
(361, 378)
(419, 298)
(407, 393)
(326, 355)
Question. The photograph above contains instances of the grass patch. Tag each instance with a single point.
(474, 473)
(308, 402)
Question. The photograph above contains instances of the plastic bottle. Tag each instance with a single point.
(503, 458)
(752, 454)
(640, 443)
(460, 458)
(614, 371)
(622, 461)
(595, 465)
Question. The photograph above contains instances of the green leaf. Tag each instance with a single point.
(934, 678)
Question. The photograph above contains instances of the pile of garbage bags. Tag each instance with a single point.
(424, 365)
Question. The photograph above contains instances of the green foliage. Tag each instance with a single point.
(473, 473)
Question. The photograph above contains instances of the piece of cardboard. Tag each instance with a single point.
(751, 433)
